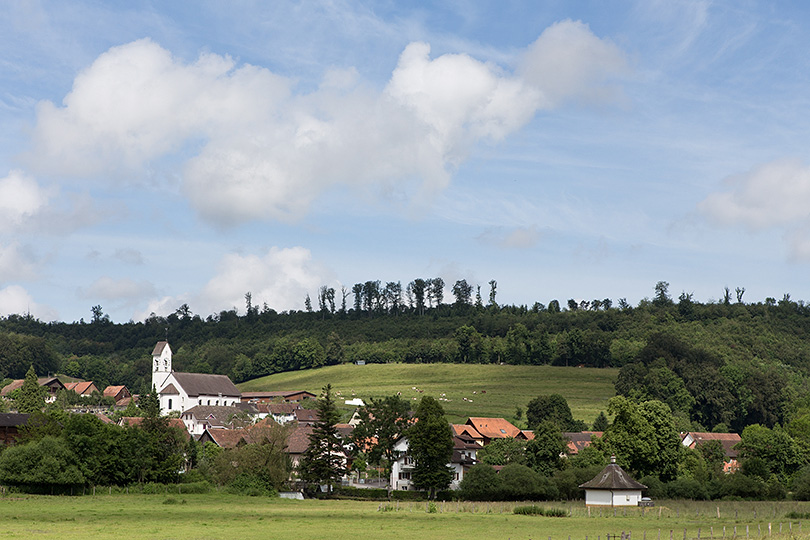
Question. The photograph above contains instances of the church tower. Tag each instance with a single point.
(161, 363)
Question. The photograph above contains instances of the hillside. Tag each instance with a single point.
(490, 390)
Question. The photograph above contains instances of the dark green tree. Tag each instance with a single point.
(431, 446)
(323, 461)
(382, 423)
(31, 396)
(544, 450)
(601, 423)
(503, 452)
(552, 408)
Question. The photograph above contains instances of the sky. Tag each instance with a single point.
(155, 154)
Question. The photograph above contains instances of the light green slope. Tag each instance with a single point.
(490, 390)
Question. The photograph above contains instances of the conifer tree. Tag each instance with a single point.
(30, 398)
(323, 461)
(430, 443)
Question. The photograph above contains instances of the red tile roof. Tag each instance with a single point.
(494, 428)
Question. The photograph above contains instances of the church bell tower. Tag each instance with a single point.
(161, 363)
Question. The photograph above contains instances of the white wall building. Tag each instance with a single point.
(612, 487)
(180, 391)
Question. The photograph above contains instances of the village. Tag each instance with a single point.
(211, 410)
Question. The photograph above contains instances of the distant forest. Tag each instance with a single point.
(720, 365)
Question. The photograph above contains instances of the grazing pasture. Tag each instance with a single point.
(218, 515)
(464, 390)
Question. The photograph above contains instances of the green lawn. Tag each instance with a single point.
(490, 390)
(244, 518)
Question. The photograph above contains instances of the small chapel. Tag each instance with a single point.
(612, 487)
(178, 391)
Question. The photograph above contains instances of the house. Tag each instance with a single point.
(306, 417)
(728, 441)
(465, 450)
(199, 418)
(120, 394)
(283, 413)
(466, 430)
(180, 391)
(297, 443)
(83, 388)
(176, 423)
(10, 424)
(493, 428)
(579, 440)
(612, 487)
(51, 383)
(231, 438)
(283, 396)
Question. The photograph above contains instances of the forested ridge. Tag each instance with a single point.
(721, 364)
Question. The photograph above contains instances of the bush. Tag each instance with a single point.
(533, 510)
(686, 488)
(195, 487)
(251, 485)
(481, 483)
(801, 486)
(740, 485)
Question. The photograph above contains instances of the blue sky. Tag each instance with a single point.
(156, 154)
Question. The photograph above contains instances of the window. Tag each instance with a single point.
(404, 476)
(170, 404)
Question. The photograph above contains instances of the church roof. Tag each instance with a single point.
(613, 477)
(205, 384)
(159, 348)
(171, 389)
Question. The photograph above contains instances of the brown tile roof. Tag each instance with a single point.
(278, 394)
(613, 477)
(196, 384)
(227, 438)
(170, 390)
(83, 388)
(727, 441)
(459, 429)
(282, 408)
(494, 428)
(578, 440)
(42, 381)
(116, 392)
(306, 416)
(298, 441)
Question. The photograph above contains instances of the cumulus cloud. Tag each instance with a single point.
(15, 263)
(14, 299)
(21, 197)
(773, 194)
(254, 149)
(281, 278)
(569, 62)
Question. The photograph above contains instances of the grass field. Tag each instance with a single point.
(223, 516)
(489, 390)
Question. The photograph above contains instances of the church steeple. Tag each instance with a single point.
(161, 363)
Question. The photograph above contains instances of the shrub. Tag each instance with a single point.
(251, 485)
(686, 488)
(533, 510)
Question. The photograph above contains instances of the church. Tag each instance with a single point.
(181, 391)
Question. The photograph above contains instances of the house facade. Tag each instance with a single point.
(178, 391)
(465, 449)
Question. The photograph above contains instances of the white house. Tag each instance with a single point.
(179, 391)
(612, 487)
(464, 457)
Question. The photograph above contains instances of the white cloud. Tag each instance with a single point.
(129, 256)
(568, 62)
(772, 195)
(265, 152)
(15, 263)
(281, 278)
(20, 198)
(16, 300)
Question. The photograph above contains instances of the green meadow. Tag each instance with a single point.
(464, 390)
(219, 515)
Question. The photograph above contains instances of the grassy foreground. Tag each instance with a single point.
(229, 516)
(490, 390)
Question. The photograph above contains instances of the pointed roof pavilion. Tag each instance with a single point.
(613, 477)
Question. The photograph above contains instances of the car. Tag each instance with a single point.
(646, 501)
